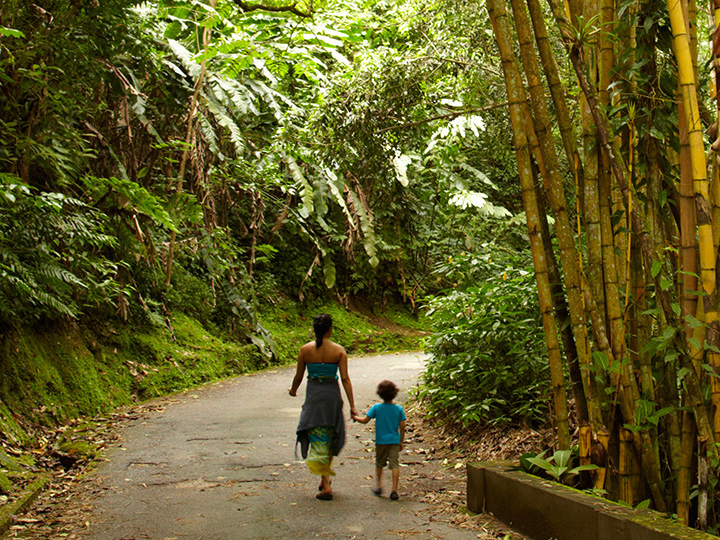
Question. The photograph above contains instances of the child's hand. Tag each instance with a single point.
(401, 446)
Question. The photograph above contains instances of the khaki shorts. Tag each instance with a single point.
(387, 453)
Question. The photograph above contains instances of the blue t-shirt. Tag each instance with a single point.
(387, 422)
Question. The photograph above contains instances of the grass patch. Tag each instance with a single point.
(355, 328)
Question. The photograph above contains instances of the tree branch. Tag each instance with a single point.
(247, 8)
(442, 116)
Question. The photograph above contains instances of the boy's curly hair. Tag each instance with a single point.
(387, 390)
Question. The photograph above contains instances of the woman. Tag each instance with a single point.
(321, 431)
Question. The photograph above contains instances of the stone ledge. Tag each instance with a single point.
(7, 513)
(545, 510)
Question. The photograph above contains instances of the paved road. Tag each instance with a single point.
(218, 463)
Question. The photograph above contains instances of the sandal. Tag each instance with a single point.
(376, 491)
(324, 496)
(394, 496)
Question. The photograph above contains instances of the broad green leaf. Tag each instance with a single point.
(329, 272)
(335, 184)
(366, 226)
(656, 267)
(10, 32)
(304, 188)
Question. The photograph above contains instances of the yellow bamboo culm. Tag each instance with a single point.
(705, 241)
(585, 444)
(603, 439)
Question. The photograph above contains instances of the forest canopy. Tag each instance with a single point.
(153, 150)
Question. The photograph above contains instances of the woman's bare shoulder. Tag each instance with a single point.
(308, 345)
(336, 347)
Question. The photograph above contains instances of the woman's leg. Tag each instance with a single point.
(325, 484)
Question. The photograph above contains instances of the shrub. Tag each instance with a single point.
(488, 361)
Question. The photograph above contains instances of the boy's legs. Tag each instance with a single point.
(394, 466)
(381, 458)
(395, 478)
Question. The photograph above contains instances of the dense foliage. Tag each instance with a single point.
(489, 362)
(178, 155)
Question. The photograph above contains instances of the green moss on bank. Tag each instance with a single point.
(50, 375)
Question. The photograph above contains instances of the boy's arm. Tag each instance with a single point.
(402, 434)
(362, 419)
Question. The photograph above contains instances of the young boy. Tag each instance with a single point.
(389, 435)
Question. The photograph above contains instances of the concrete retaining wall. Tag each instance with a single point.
(545, 510)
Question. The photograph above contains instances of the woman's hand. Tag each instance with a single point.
(292, 392)
(353, 413)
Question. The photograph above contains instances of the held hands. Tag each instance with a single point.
(292, 392)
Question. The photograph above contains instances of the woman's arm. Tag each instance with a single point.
(346, 382)
(298, 374)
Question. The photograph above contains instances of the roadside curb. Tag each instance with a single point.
(24, 501)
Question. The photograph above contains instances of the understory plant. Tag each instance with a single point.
(488, 362)
(558, 466)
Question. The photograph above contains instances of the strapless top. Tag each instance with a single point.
(322, 371)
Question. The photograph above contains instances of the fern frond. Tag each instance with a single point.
(186, 58)
(222, 118)
(237, 94)
(58, 273)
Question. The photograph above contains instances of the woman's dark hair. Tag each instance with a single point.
(321, 324)
(387, 390)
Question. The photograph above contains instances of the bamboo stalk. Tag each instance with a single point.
(567, 132)
(706, 243)
(626, 467)
(685, 469)
(703, 487)
(556, 87)
(585, 399)
(517, 103)
(556, 194)
(603, 440)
